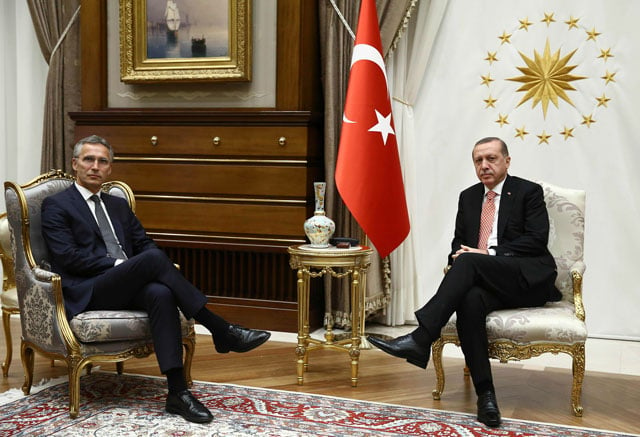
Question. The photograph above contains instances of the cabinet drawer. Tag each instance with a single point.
(220, 141)
(223, 218)
(235, 179)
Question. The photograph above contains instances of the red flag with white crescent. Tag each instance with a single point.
(368, 174)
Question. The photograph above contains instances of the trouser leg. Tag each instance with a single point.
(472, 332)
(501, 275)
(158, 301)
(117, 287)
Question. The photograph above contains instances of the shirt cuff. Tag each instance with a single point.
(491, 251)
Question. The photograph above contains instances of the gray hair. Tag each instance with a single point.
(504, 149)
(92, 139)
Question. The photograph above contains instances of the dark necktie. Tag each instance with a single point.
(486, 219)
(113, 248)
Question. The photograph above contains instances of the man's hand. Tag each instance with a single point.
(467, 249)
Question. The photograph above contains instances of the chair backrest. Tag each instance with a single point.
(566, 234)
(120, 189)
(6, 254)
(23, 207)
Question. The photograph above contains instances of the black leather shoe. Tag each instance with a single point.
(404, 347)
(488, 412)
(187, 406)
(239, 339)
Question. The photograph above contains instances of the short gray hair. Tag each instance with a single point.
(92, 139)
(503, 145)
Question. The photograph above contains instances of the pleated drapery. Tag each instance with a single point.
(57, 25)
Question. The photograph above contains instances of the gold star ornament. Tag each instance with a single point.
(504, 38)
(548, 18)
(572, 22)
(524, 24)
(490, 101)
(543, 137)
(588, 120)
(521, 132)
(567, 132)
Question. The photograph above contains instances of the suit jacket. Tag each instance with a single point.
(523, 229)
(78, 252)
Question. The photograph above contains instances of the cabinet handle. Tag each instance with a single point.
(216, 141)
(154, 140)
(282, 141)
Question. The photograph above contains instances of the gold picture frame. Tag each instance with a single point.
(155, 36)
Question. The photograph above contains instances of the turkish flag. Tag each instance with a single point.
(368, 173)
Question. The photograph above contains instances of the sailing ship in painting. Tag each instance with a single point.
(172, 16)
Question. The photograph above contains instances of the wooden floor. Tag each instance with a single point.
(610, 401)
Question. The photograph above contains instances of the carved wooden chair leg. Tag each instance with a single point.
(74, 389)
(6, 322)
(578, 376)
(27, 355)
(436, 356)
(189, 349)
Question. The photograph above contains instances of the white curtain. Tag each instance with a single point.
(587, 137)
(22, 81)
(406, 68)
(23, 74)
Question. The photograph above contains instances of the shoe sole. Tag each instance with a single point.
(490, 424)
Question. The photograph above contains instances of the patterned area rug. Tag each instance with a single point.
(127, 405)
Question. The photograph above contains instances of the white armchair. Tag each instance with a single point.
(516, 334)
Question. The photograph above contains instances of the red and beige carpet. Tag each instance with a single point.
(127, 405)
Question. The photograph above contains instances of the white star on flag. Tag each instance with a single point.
(383, 126)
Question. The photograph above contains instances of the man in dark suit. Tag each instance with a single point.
(499, 259)
(103, 269)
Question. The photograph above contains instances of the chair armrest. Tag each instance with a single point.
(577, 271)
(44, 290)
(43, 275)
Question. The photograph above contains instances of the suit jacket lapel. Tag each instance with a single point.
(81, 206)
(476, 208)
(506, 204)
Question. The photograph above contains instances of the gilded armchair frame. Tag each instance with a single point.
(35, 281)
(8, 286)
(506, 350)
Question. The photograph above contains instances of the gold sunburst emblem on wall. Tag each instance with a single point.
(548, 79)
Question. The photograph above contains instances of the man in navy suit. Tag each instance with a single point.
(509, 266)
(115, 265)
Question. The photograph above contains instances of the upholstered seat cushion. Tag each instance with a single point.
(555, 322)
(108, 326)
(10, 298)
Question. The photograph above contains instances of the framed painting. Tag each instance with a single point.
(185, 40)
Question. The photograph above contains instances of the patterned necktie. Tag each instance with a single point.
(113, 248)
(486, 220)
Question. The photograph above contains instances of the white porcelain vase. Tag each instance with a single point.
(319, 228)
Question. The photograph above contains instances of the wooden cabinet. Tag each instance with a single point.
(224, 192)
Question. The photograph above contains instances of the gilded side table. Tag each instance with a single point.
(315, 263)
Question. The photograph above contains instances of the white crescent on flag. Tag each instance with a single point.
(366, 52)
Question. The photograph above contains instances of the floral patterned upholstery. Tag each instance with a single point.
(101, 326)
(89, 337)
(522, 333)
